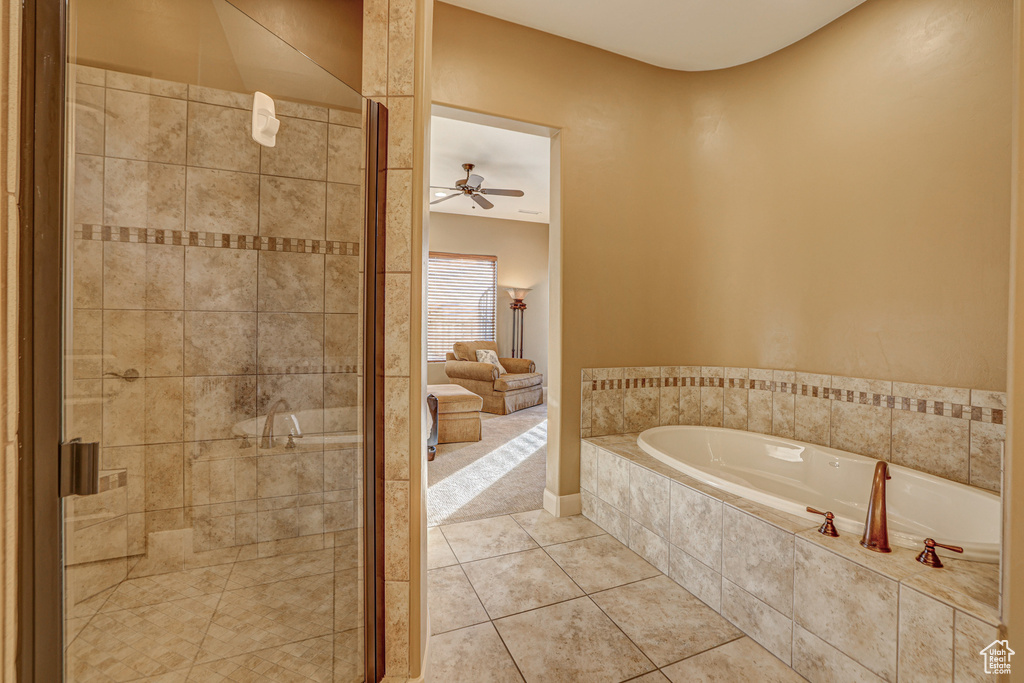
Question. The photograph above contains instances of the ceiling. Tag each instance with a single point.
(506, 159)
(686, 35)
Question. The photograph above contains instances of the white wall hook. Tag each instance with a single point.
(264, 122)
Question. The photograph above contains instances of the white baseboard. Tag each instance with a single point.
(562, 506)
(425, 671)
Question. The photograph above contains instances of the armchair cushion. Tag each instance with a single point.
(511, 382)
(518, 366)
(465, 369)
(467, 350)
(488, 356)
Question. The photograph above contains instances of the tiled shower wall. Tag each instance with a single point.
(953, 433)
(227, 276)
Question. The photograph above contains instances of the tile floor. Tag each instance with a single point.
(537, 598)
(287, 618)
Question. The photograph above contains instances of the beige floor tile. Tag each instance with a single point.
(653, 677)
(600, 562)
(666, 621)
(150, 590)
(471, 655)
(270, 569)
(451, 600)
(269, 615)
(515, 583)
(302, 662)
(740, 660)
(348, 656)
(439, 553)
(547, 529)
(571, 641)
(486, 538)
(142, 642)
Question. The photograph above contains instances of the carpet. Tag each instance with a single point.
(502, 473)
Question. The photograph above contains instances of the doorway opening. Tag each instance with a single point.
(491, 314)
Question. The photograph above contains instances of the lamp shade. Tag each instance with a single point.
(518, 293)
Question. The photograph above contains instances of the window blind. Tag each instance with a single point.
(461, 301)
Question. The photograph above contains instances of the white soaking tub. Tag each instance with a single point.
(790, 475)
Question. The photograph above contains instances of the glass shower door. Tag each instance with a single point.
(213, 352)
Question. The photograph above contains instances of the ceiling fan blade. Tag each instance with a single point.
(482, 202)
(438, 201)
(442, 187)
(503, 193)
(474, 180)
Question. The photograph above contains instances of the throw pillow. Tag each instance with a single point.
(488, 356)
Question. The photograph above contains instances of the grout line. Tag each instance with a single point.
(741, 636)
(489, 619)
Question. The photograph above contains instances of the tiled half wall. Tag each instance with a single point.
(828, 608)
(224, 277)
(954, 433)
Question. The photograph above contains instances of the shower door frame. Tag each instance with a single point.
(41, 293)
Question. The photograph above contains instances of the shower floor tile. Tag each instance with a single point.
(145, 641)
(270, 615)
(308, 660)
(150, 590)
(272, 569)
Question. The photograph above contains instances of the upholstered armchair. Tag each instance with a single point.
(520, 387)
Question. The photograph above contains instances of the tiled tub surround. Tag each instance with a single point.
(228, 276)
(827, 607)
(952, 433)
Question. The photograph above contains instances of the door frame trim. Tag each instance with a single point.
(374, 268)
(40, 299)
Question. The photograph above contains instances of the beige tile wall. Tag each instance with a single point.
(825, 606)
(224, 277)
(395, 40)
(10, 64)
(951, 432)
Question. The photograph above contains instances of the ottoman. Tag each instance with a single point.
(458, 413)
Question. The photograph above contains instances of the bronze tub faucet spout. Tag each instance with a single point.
(876, 527)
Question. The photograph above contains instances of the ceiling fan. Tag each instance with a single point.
(470, 187)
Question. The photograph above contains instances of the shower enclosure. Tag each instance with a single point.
(215, 523)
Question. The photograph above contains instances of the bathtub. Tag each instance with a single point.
(307, 425)
(790, 475)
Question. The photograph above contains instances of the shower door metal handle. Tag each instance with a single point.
(79, 468)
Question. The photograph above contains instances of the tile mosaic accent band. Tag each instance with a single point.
(215, 240)
(951, 432)
(116, 480)
(943, 408)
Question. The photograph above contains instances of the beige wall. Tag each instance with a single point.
(206, 43)
(522, 251)
(330, 32)
(840, 206)
(1013, 478)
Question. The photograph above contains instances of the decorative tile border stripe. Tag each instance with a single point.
(305, 369)
(942, 408)
(216, 240)
(116, 480)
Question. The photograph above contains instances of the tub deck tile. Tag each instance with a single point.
(897, 565)
(962, 588)
(624, 446)
(777, 518)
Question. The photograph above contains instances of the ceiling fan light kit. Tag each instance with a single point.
(470, 187)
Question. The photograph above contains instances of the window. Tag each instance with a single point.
(461, 303)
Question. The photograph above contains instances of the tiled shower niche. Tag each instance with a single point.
(214, 280)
